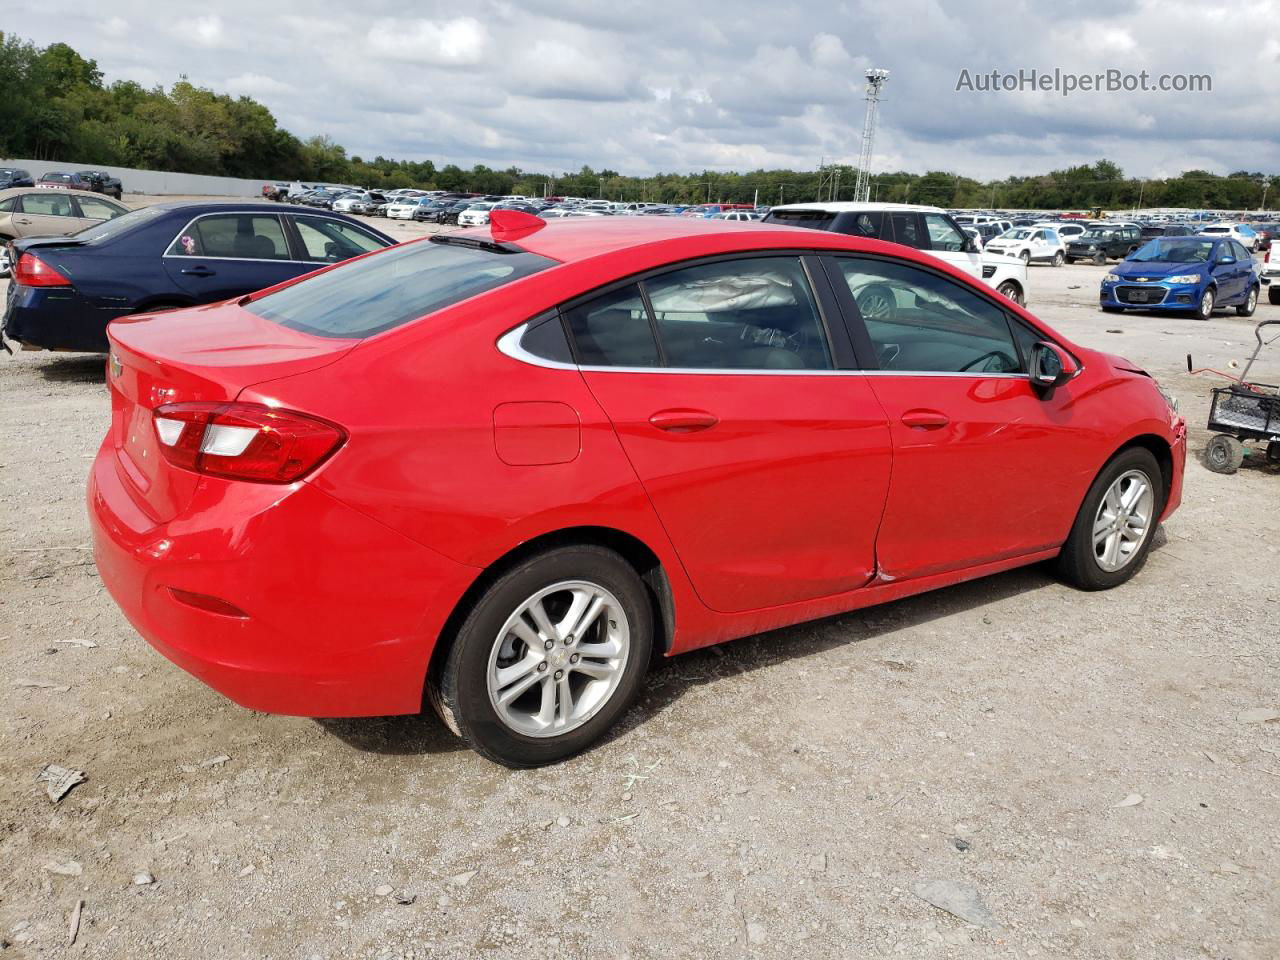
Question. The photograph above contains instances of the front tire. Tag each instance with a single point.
(1099, 259)
(1058, 258)
(1250, 304)
(1111, 536)
(549, 658)
(1273, 294)
(1205, 310)
(1010, 291)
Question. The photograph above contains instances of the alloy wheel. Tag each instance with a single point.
(1123, 520)
(558, 658)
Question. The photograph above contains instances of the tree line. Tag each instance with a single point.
(56, 106)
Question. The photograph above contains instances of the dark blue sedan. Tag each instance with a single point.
(1194, 275)
(64, 290)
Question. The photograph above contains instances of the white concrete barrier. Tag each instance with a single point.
(154, 182)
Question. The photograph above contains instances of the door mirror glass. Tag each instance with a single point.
(1050, 366)
(1226, 258)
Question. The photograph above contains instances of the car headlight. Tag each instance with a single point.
(1186, 278)
(1109, 279)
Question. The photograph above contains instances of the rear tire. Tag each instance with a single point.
(1086, 559)
(1223, 454)
(1099, 259)
(471, 682)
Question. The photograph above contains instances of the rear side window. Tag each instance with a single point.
(614, 330)
(51, 204)
(368, 296)
(96, 209)
(8, 206)
(906, 230)
(753, 314)
(234, 236)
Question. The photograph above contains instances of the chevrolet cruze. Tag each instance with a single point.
(499, 470)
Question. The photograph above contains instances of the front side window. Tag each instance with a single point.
(942, 233)
(235, 236)
(51, 204)
(364, 297)
(919, 321)
(331, 241)
(906, 230)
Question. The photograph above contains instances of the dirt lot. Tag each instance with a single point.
(782, 796)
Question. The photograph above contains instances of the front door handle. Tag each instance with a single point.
(684, 421)
(925, 419)
(22, 220)
(198, 272)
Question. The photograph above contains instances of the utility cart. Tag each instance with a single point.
(1241, 413)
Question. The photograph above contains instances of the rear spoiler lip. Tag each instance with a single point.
(22, 244)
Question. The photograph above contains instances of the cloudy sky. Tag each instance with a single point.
(722, 84)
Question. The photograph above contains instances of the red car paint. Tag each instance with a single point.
(767, 500)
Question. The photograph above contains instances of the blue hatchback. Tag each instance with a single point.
(64, 290)
(1191, 274)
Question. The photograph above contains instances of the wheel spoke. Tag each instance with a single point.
(546, 710)
(582, 613)
(604, 650)
(513, 692)
(1131, 496)
(596, 671)
(1111, 554)
(546, 630)
(564, 701)
(518, 671)
(526, 633)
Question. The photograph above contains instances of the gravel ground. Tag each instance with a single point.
(784, 795)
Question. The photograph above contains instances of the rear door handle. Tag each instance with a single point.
(198, 272)
(925, 419)
(22, 220)
(683, 421)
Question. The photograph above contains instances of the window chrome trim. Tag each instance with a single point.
(509, 344)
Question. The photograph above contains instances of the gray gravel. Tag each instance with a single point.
(784, 795)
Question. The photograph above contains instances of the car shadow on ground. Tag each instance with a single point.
(670, 679)
(82, 368)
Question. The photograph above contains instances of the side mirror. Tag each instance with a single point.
(1224, 261)
(1050, 366)
(970, 245)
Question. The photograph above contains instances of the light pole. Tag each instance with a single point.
(1266, 185)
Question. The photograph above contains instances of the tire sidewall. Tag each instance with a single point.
(463, 684)
(1078, 552)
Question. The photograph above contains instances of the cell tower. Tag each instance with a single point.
(876, 79)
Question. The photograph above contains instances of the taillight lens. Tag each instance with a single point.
(31, 271)
(244, 441)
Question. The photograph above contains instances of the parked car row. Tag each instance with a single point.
(96, 181)
(33, 212)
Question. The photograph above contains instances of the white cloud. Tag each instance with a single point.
(256, 85)
(206, 31)
(827, 50)
(115, 27)
(459, 41)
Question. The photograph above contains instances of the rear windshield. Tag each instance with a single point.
(814, 219)
(111, 228)
(368, 296)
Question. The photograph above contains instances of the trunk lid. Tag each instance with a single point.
(203, 354)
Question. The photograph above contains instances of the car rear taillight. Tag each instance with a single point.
(243, 441)
(31, 271)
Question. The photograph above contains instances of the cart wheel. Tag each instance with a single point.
(1273, 451)
(1224, 454)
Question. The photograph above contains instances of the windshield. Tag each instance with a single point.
(1216, 230)
(1175, 250)
(1095, 235)
(375, 293)
(1019, 234)
(111, 228)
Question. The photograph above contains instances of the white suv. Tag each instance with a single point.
(926, 228)
(1029, 244)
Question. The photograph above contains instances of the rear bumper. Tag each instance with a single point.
(341, 612)
(57, 318)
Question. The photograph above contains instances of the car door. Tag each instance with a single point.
(1226, 273)
(218, 256)
(765, 456)
(984, 467)
(47, 213)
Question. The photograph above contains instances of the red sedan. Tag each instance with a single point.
(499, 470)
